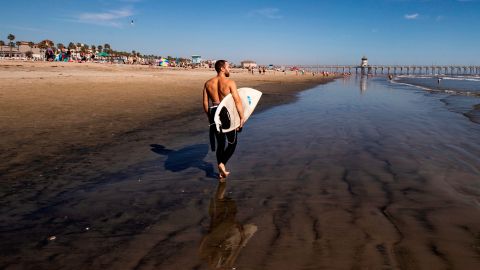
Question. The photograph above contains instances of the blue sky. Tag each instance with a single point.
(277, 32)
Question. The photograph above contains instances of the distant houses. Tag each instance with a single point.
(248, 64)
(79, 52)
(21, 50)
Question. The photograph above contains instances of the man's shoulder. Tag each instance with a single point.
(231, 82)
(211, 80)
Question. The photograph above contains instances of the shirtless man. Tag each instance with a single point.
(215, 90)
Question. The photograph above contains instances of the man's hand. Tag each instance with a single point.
(242, 122)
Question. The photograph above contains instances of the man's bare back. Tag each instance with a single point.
(214, 91)
(217, 88)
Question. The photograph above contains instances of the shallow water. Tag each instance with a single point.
(364, 173)
(464, 85)
(462, 93)
(358, 173)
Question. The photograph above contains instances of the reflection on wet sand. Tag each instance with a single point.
(226, 237)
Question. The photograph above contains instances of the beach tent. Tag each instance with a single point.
(163, 62)
(103, 54)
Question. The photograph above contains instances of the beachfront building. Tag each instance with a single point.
(20, 51)
(248, 64)
(364, 62)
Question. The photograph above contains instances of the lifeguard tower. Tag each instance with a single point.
(364, 62)
(196, 59)
(364, 65)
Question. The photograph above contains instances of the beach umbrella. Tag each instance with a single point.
(163, 62)
(103, 54)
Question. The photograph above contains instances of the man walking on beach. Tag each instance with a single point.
(215, 90)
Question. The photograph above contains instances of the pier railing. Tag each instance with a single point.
(395, 69)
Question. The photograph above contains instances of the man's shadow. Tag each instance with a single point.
(188, 157)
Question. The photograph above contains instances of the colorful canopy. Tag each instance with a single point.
(163, 62)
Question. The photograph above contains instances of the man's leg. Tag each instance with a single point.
(213, 129)
(231, 145)
(220, 154)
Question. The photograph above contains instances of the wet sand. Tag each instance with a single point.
(376, 177)
(354, 174)
(71, 129)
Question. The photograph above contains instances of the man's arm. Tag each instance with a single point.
(238, 102)
(205, 99)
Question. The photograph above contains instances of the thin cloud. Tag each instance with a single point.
(111, 18)
(411, 16)
(31, 29)
(269, 13)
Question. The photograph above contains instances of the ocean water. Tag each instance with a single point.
(459, 85)
(462, 93)
(361, 173)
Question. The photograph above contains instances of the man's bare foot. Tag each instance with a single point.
(223, 171)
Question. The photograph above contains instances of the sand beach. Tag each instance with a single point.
(362, 153)
(49, 110)
(66, 124)
(108, 167)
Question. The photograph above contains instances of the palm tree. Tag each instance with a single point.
(107, 47)
(94, 48)
(18, 43)
(78, 45)
(42, 46)
(2, 43)
(71, 46)
(29, 54)
(11, 37)
(48, 43)
(60, 46)
(100, 48)
(134, 53)
(84, 49)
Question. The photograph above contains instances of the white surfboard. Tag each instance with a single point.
(249, 97)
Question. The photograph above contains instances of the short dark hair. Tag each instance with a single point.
(219, 65)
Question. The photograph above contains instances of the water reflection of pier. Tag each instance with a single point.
(396, 69)
(363, 84)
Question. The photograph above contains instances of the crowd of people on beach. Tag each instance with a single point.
(66, 55)
(262, 70)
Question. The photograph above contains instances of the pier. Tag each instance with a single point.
(395, 69)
